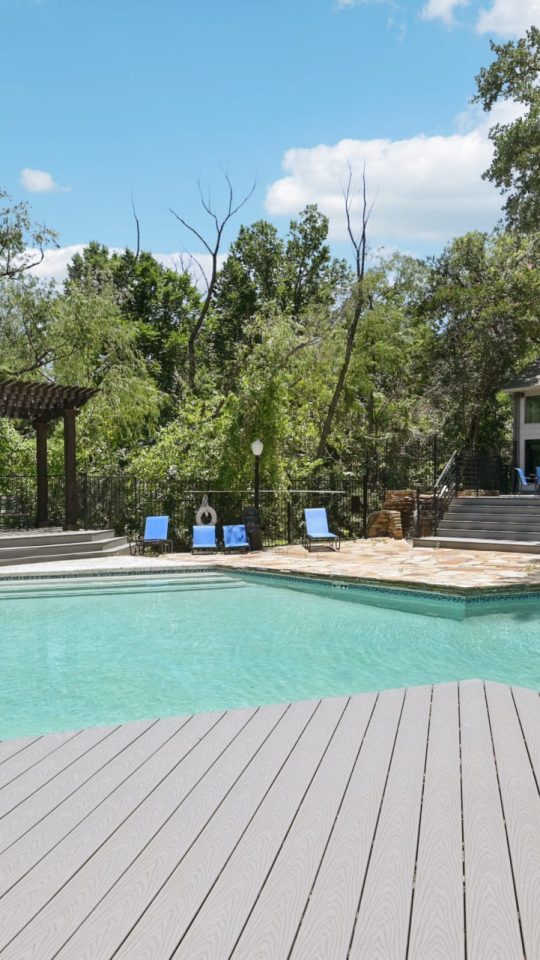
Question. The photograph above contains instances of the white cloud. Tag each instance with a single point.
(39, 181)
(442, 10)
(426, 188)
(55, 263)
(509, 17)
(506, 18)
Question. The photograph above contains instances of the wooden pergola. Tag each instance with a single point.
(42, 403)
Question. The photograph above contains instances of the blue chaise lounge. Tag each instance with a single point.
(317, 528)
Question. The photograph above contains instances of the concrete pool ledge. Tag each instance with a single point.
(380, 563)
(401, 824)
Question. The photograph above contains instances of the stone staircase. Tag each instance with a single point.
(510, 523)
(42, 546)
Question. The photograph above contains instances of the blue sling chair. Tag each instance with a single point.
(235, 538)
(523, 484)
(204, 538)
(155, 535)
(317, 528)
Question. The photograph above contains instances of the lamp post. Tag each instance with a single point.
(257, 448)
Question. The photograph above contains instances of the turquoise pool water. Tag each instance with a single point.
(108, 650)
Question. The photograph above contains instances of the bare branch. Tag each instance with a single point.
(213, 249)
(191, 229)
(361, 302)
(138, 229)
(8, 272)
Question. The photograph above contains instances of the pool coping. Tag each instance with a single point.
(419, 589)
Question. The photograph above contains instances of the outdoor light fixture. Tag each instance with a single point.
(257, 448)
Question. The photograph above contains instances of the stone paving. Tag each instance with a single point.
(381, 560)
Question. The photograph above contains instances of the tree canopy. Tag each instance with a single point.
(514, 77)
(284, 341)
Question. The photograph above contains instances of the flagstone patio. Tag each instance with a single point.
(382, 561)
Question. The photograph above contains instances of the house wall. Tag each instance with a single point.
(525, 431)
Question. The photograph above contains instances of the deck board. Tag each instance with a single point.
(28, 898)
(309, 831)
(33, 809)
(437, 915)
(145, 876)
(521, 808)
(280, 890)
(327, 924)
(383, 919)
(8, 748)
(491, 911)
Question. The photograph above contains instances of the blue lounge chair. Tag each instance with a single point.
(523, 484)
(235, 538)
(204, 538)
(317, 528)
(155, 535)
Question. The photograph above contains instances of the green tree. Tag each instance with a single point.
(22, 242)
(159, 301)
(483, 305)
(514, 76)
(312, 277)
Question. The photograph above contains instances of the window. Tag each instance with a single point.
(532, 456)
(532, 409)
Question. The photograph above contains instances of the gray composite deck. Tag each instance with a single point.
(404, 824)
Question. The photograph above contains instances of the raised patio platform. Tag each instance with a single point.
(403, 824)
(50, 544)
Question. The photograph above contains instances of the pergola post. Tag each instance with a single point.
(70, 470)
(42, 473)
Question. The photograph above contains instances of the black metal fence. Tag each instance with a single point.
(122, 502)
(485, 472)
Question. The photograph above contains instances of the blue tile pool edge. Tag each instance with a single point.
(465, 596)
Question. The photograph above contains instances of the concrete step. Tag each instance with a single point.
(40, 538)
(117, 546)
(460, 543)
(519, 516)
(503, 523)
(60, 550)
(476, 533)
(496, 503)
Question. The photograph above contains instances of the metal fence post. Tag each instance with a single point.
(289, 521)
(365, 494)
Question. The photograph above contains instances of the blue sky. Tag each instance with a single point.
(113, 97)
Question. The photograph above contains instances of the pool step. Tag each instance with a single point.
(38, 547)
(12, 589)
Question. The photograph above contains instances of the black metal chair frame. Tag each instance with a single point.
(335, 542)
(140, 545)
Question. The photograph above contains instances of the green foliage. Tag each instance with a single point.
(514, 76)
(483, 305)
(159, 302)
(434, 343)
(22, 242)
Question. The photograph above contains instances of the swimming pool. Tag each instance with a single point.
(105, 650)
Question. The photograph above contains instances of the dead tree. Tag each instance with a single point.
(213, 248)
(361, 302)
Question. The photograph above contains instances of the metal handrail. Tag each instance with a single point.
(445, 488)
(448, 468)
